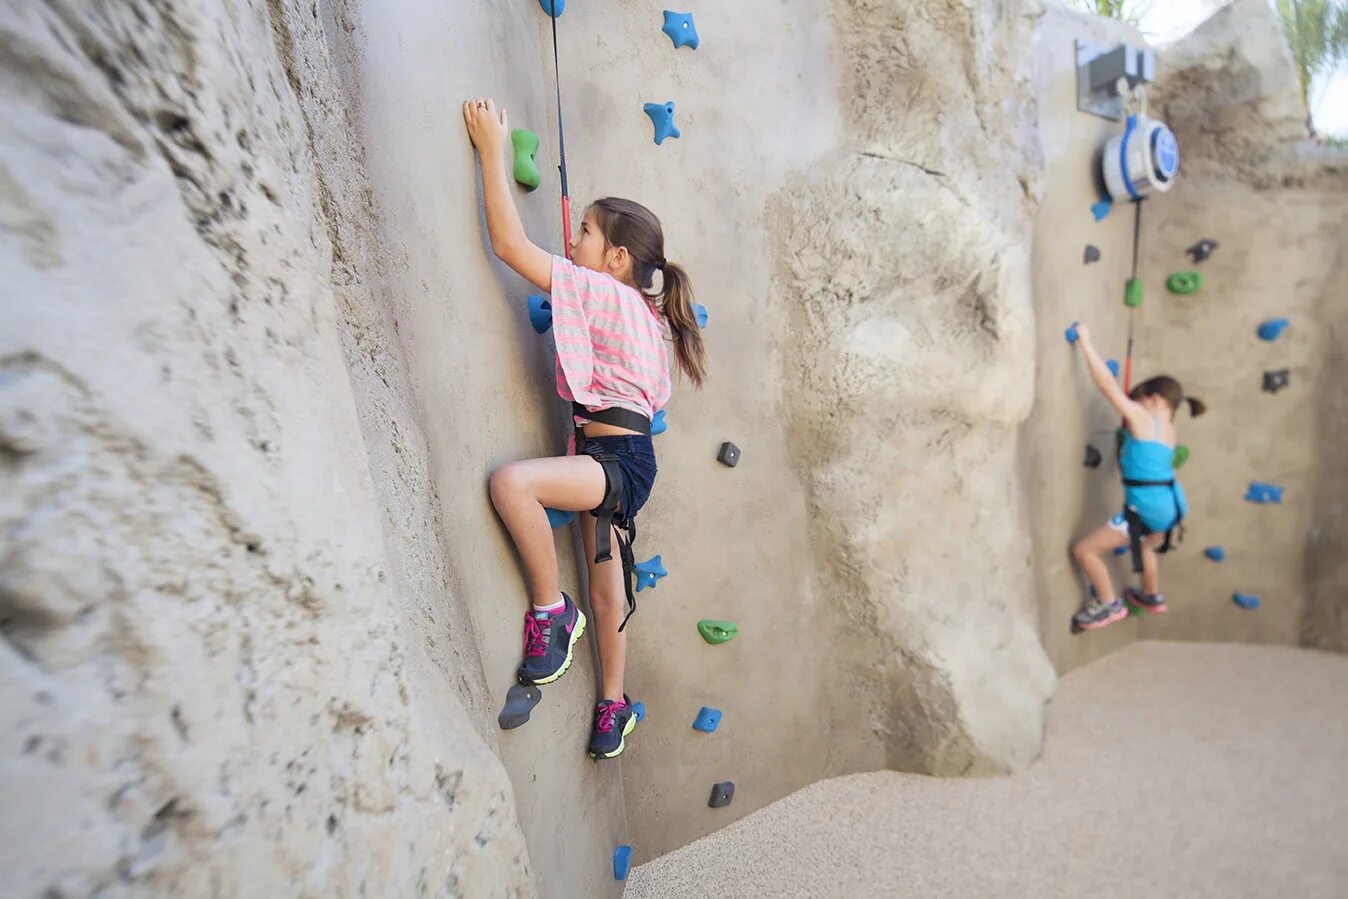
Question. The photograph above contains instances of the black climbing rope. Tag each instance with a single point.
(561, 138)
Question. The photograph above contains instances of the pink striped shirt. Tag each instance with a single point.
(610, 342)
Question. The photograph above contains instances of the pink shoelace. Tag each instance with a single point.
(606, 715)
(536, 635)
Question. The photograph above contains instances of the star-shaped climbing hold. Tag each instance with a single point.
(649, 573)
(658, 424)
(662, 117)
(680, 28)
(1101, 209)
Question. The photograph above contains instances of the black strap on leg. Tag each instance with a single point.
(603, 513)
(1136, 531)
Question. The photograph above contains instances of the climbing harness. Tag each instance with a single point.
(1137, 530)
(561, 138)
(613, 490)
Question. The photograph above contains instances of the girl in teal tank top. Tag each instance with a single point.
(1154, 501)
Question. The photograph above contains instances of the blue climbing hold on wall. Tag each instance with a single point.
(1101, 209)
(707, 720)
(1262, 493)
(1245, 601)
(1273, 328)
(1118, 551)
(557, 518)
(1215, 553)
(680, 28)
(540, 312)
(649, 573)
(658, 424)
(701, 312)
(662, 117)
(553, 8)
(639, 709)
(622, 862)
(1071, 333)
(1113, 366)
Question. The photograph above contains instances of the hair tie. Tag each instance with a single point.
(664, 263)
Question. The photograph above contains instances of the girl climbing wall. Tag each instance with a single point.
(1154, 502)
(611, 331)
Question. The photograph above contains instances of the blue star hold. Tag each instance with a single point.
(701, 312)
(639, 709)
(1118, 551)
(1113, 366)
(622, 862)
(553, 8)
(1101, 209)
(1262, 493)
(1245, 601)
(1215, 553)
(649, 573)
(662, 117)
(1071, 333)
(540, 312)
(658, 424)
(557, 518)
(680, 28)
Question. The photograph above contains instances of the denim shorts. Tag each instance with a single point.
(636, 458)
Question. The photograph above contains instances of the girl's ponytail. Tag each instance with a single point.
(676, 299)
(1196, 406)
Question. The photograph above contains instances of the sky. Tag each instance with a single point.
(1167, 20)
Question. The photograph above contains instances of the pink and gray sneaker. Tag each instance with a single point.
(1150, 602)
(550, 642)
(613, 721)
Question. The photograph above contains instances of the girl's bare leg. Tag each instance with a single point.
(521, 490)
(608, 601)
(1088, 551)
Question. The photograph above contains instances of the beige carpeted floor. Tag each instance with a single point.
(1170, 769)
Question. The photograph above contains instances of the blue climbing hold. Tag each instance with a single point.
(1113, 366)
(701, 312)
(1215, 553)
(649, 573)
(1262, 493)
(1071, 333)
(707, 719)
(540, 312)
(658, 424)
(622, 862)
(639, 709)
(1245, 601)
(557, 518)
(1120, 550)
(662, 117)
(1273, 328)
(553, 8)
(1101, 209)
(680, 28)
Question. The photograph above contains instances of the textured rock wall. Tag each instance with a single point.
(215, 676)
(905, 263)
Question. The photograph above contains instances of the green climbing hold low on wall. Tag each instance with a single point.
(526, 167)
(717, 631)
(1184, 283)
(1181, 456)
(1132, 294)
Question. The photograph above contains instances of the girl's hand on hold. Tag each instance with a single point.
(1083, 333)
(486, 129)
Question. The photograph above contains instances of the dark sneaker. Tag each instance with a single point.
(549, 641)
(1151, 602)
(612, 722)
(1096, 614)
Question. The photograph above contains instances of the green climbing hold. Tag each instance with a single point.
(1181, 456)
(717, 631)
(526, 167)
(1132, 296)
(1184, 283)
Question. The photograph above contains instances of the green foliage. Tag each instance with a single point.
(1318, 33)
(1130, 11)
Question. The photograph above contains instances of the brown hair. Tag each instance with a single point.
(1170, 390)
(624, 223)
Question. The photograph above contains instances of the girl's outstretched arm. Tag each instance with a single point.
(1104, 379)
(488, 132)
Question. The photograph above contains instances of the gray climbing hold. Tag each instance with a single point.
(721, 794)
(1202, 250)
(728, 455)
(1092, 254)
(520, 701)
(1093, 457)
(1277, 380)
